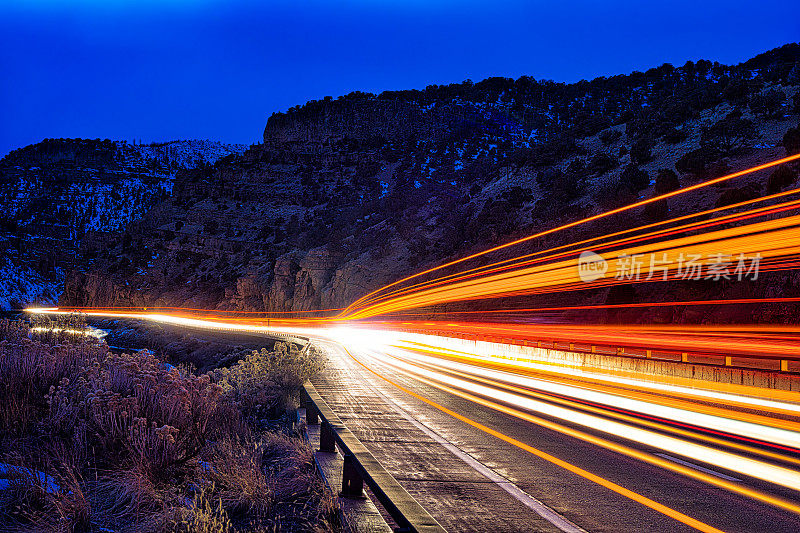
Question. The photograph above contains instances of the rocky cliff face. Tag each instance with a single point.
(346, 195)
(56, 193)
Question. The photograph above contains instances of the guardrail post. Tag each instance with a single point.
(352, 482)
(728, 360)
(312, 413)
(360, 467)
(784, 365)
(327, 441)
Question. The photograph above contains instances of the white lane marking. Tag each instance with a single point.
(698, 467)
(523, 497)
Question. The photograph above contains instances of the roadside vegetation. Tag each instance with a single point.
(203, 353)
(92, 440)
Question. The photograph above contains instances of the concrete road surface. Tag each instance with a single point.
(475, 468)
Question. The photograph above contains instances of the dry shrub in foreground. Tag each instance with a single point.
(29, 368)
(91, 439)
(264, 381)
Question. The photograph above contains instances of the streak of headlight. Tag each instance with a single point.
(677, 429)
(594, 377)
(744, 340)
(736, 301)
(162, 318)
(153, 309)
(649, 458)
(751, 467)
(720, 423)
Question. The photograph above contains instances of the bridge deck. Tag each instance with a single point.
(470, 480)
(458, 496)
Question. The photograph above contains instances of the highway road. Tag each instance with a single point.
(488, 442)
(488, 447)
(494, 440)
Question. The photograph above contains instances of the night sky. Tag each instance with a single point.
(179, 69)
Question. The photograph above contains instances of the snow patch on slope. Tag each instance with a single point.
(19, 286)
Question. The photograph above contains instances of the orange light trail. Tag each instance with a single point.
(586, 220)
(743, 429)
(517, 261)
(768, 239)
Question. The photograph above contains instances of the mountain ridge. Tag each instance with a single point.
(344, 195)
(59, 190)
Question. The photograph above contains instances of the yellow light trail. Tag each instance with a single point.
(500, 401)
(753, 468)
(695, 435)
(636, 388)
(768, 239)
(577, 247)
(584, 221)
(652, 504)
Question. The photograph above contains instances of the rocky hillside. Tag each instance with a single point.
(347, 194)
(58, 191)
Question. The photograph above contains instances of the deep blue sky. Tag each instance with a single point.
(168, 69)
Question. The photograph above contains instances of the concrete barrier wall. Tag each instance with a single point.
(641, 366)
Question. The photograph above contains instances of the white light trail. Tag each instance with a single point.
(721, 459)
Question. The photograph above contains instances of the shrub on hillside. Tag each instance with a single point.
(633, 178)
(516, 196)
(781, 177)
(602, 163)
(768, 104)
(656, 210)
(262, 381)
(609, 136)
(791, 141)
(666, 181)
(641, 151)
(675, 135)
(728, 135)
(737, 195)
(563, 186)
(697, 162)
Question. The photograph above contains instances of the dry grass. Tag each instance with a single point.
(204, 517)
(265, 383)
(126, 442)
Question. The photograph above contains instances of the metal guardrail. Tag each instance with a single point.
(360, 467)
(300, 341)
